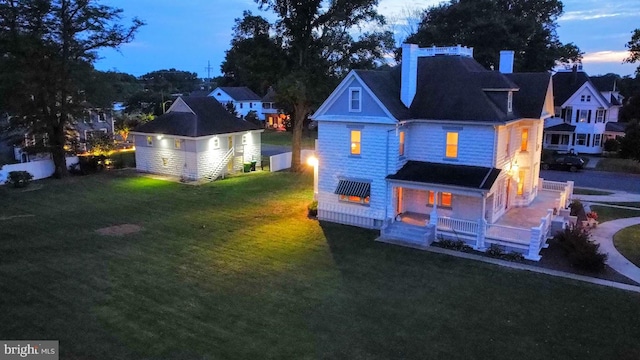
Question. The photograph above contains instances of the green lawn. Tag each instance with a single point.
(619, 165)
(627, 241)
(633, 204)
(607, 213)
(235, 270)
(583, 191)
(273, 137)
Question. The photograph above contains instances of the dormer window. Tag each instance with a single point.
(510, 101)
(355, 99)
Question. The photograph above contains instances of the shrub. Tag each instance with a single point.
(577, 209)
(88, 165)
(495, 251)
(457, 245)
(611, 145)
(580, 250)
(19, 178)
(313, 209)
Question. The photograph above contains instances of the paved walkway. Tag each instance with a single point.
(603, 235)
(616, 196)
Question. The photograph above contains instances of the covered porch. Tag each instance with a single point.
(519, 229)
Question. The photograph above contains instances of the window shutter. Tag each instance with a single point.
(588, 137)
(564, 115)
(589, 117)
(573, 140)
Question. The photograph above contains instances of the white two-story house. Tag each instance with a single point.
(582, 112)
(439, 141)
(243, 99)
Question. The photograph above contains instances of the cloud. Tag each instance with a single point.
(605, 56)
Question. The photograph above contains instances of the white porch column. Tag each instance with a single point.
(433, 217)
(534, 245)
(482, 227)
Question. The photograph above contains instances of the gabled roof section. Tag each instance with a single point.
(529, 101)
(387, 89)
(616, 127)
(457, 88)
(270, 96)
(240, 93)
(208, 117)
(605, 82)
(565, 84)
(472, 177)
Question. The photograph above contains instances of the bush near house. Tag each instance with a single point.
(581, 251)
(19, 178)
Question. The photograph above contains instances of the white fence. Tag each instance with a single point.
(283, 161)
(39, 169)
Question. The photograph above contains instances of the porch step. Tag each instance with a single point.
(406, 233)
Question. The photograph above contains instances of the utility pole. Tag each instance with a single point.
(208, 68)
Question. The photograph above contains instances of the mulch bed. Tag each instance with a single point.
(553, 258)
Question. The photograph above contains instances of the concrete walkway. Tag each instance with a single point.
(603, 235)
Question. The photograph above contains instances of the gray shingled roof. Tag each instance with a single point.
(528, 102)
(564, 127)
(615, 127)
(457, 88)
(210, 118)
(473, 177)
(566, 83)
(270, 96)
(604, 82)
(241, 93)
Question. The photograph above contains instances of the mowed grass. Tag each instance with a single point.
(608, 213)
(284, 138)
(627, 241)
(585, 191)
(619, 165)
(235, 270)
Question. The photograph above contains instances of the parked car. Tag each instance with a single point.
(568, 162)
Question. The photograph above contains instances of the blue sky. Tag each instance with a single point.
(188, 34)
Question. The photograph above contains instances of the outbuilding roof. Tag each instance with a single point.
(207, 117)
(240, 93)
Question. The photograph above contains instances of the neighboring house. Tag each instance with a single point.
(274, 118)
(94, 122)
(196, 138)
(439, 140)
(583, 109)
(241, 97)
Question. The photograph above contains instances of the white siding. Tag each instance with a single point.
(427, 142)
(336, 162)
(163, 158)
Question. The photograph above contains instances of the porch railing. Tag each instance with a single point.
(457, 225)
(553, 185)
(508, 233)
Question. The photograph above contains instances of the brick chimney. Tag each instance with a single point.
(506, 61)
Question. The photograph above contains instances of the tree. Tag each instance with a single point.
(47, 48)
(630, 143)
(527, 27)
(125, 123)
(256, 59)
(634, 49)
(231, 109)
(170, 81)
(317, 39)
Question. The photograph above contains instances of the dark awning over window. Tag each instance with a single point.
(353, 188)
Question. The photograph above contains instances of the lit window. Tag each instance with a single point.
(445, 199)
(355, 142)
(149, 140)
(510, 101)
(452, 145)
(401, 149)
(355, 97)
(177, 143)
(524, 143)
(582, 115)
(521, 182)
(355, 199)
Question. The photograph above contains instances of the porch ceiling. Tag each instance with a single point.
(529, 216)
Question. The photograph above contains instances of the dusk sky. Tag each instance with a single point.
(186, 35)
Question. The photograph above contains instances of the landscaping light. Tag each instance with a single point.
(159, 137)
(312, 161)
